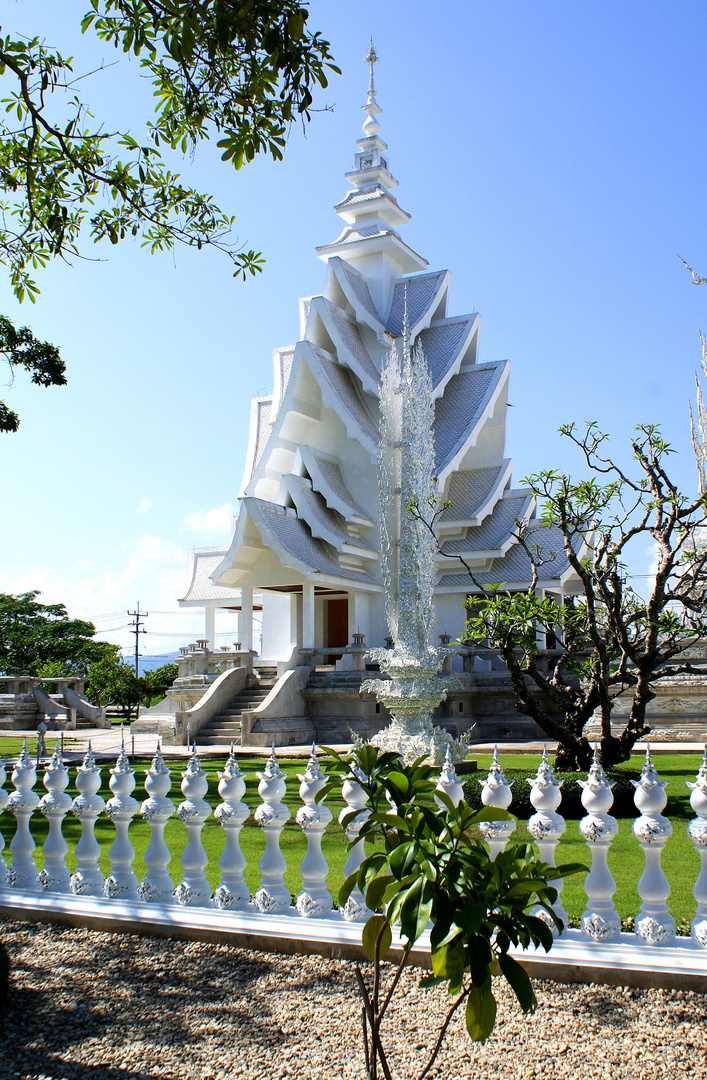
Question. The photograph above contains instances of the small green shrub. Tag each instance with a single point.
(571, 806)
(4, 975)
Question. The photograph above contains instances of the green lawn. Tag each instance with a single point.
(680, 859)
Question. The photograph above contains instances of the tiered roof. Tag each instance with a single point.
(309, 495)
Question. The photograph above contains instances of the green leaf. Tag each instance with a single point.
(416, 909)
(370, 935)
(428, 981)
(375, 891)
(481, 1012)
(347, 888)
(517, 976)
(402, 858)
(449, 962)
(399, 781)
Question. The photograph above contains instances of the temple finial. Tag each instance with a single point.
(371, 127)
(371, 59)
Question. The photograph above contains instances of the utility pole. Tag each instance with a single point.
(137, 629)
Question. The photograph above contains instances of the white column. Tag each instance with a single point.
(600, 921)
(654, 923)
(546, 827)
(210, 626)
(308, 638)
(448, 783)
(540, 632)
(156, 886)
(122, 882)
(4, 796)
(358, 614)
(697, 831)
(55, 805)
(194, 889)
(232, 893)
(246, 619)
(497, 793)
(22, 802)
(88, 804)
(314, 899)
(354, 796)
(273, 896)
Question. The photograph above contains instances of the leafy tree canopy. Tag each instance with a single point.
(34, 635)
(241, 70)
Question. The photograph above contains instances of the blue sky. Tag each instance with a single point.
(553, 157)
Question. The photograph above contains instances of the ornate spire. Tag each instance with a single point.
(371, 59)
(371, 126)
(370, 212)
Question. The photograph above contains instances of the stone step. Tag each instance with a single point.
(228, 730)
(218, 740)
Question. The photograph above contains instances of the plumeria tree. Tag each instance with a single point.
(610, 641)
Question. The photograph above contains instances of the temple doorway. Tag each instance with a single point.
(336, 626)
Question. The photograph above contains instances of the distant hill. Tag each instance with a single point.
(151, 663)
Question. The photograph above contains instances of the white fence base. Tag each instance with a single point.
(682, 966)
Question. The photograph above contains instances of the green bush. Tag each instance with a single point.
(571, 806)
(4, 975)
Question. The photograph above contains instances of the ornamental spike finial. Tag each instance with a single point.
(371, 60)
(371, 127)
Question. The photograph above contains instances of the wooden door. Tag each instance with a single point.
(337, 625)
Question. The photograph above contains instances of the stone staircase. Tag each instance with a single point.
(226, 725)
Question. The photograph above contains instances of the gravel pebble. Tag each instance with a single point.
(86, 1005)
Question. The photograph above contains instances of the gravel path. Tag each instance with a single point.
(115, 1007)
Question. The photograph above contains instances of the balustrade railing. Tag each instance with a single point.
(600, 923)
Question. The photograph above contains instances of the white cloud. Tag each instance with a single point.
(145, 506)
(151, 570)
(215, 522)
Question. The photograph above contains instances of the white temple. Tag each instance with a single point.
(306, 541)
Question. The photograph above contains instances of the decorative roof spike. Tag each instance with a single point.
(371, 59)
(371, 126)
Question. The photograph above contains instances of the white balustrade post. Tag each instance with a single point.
(496, 793)
(546, 826)
(121, 883)
(55, 805)
(697, 831)
(21, 804)
(600, 921)
(654, 923)
(232, 893)
(355, 909)
(4, 796)
(449, 782)
(314, 899)
(157, 886)
(273, 896)
(194, 889)
(88, 804)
